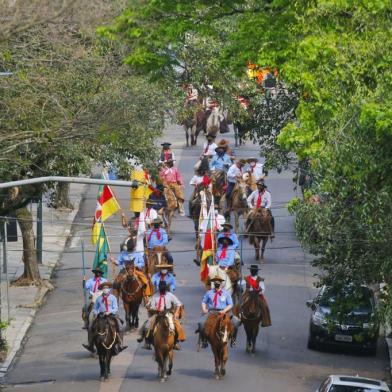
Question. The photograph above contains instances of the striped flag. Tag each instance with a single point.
(207, 243)
(101, 253)
(107, 205)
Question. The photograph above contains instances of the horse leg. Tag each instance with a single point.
(186, 135)
(101, 366)
(265, 240)
(169, 370)
(224, 358)
(127, 315)
(106, 364)
(254, 337)
(256, 243)
(236, 220)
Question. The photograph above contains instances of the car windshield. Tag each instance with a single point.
(362, 301)
(347, 388)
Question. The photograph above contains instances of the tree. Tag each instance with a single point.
(70, 103)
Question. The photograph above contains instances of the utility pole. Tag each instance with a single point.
(39, 230)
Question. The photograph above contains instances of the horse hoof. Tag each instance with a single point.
(162, 379)
(217, 377)
(223, 372)
(102, 379)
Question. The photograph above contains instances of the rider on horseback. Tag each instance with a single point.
(149, 214)
(227, 231)
(107, 304)
(164, 275)
(157, 236)
(225, 254)
(166, 153)
(209, 146)
(216, 300)
(256, 169)
(261, 198)
(234, 173)
(220, 161)
(161, 301)
(157, 199)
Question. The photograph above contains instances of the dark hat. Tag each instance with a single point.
(227, 224)
(131, 261)
(157, 220)
(261, 183)
(104, 284)
(220, 240)
(254, 267)
(166, 144)
(252, 159)
(217, 277)
(220, 148)
(97, 269)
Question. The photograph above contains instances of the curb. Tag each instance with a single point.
(40, 296)
(389, 344)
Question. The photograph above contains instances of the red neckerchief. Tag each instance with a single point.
(227, 234)
(155, 231)
(162, 277)
(167, 155)
(218, 293)
(161, 302)
(223, 253)
(105, 301)
(96, 285)
(253, 283)
(206, 149)
(258, 202)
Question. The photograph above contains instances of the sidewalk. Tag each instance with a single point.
(25, 301)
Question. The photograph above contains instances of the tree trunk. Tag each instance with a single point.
(61, 199)
(31, 272)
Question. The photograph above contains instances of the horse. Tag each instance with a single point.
(131, 294)
(258, 227)
(195, 202)
(105, 340)
(194, 125)
(238, 203)
(218, 330)
(156, 256)
(251, 314)
(163, 342)
(240, 132)
(171, 206)
(218, 179)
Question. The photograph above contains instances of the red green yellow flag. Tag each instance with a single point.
(207, 242)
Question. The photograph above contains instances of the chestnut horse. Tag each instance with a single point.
(163, 341)
(238, 203)
(156, 256)
(131, 294)
(218, 330)
(258, 227)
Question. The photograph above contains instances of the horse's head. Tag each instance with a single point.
(251, 307)
(224, 328)
(242, 189)
(101, 323)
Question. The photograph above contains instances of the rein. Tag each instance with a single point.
(106, 334)
(127, 293)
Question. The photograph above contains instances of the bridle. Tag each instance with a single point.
(105, 334)
(133, 278)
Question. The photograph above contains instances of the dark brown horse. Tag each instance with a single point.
(105, 341)
(131, 294)
(218, 330)
(251, 314)
(194, 124)
(258, 227)
(163, 341)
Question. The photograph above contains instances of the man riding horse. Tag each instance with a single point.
(107, 304)
(164, 274)
(226, 258)
(161, 301)
(157, 237)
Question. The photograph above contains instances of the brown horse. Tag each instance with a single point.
(105, 341)
(156, 256)
(251, 313)
(163, 341)
(218, 179)
(218, 330)
(258, 227)
(238, 203)
(131, 294)
(193, 125)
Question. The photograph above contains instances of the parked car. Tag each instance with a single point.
(335, 383)
(344, 318)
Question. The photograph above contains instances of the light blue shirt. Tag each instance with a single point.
(228, 260)
(154, 241)
(91, 283)
(99, 305)
(223, 300)
(232, 236)
(220, 162)
(125, 256)
(169, 279)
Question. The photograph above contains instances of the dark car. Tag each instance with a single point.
(344, 318)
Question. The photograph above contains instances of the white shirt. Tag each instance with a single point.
(265, 199)
(257, 171)
(233, 172)
(219, 221)
(196, 180)
(210, 150)
(147, 216)
(261, 285)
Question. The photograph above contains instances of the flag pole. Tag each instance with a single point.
(84, 287)
(110, 252)
(213, 231)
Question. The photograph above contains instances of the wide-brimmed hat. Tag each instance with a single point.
(162, 266)
(97, 269)
(157, 220)
(254, 267)
(261, 183)
(104, 284)
(220, 240)
(242, 161)
(227, 224)
(217, 277)
(223, 143)
(252, 159)
(166, 144)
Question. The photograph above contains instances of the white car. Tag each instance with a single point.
(336, 383)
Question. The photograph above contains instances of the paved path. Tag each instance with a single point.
(53, 359)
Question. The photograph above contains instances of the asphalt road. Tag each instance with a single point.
(53, 359)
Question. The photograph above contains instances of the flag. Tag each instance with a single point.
(101, 252)
(107, 205)
(207, 243)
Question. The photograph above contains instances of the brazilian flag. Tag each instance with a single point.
(101, 253)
